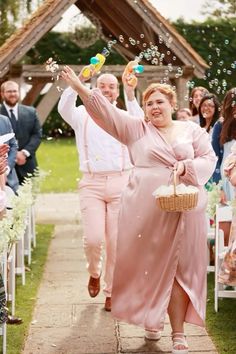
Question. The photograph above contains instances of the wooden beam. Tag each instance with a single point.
(33, 93)
(48, 101)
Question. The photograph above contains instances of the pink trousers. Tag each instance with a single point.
(100, 203)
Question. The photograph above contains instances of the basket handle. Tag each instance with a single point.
(175, 181)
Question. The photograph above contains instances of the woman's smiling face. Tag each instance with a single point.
(158, 109)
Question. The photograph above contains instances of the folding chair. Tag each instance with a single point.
(3, 327)
(223, 213)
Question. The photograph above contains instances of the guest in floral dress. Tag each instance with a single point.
(227, 273)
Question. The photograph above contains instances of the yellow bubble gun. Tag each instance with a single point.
(97, 62)
(131, 69)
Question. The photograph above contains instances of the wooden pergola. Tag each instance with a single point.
(125, 18)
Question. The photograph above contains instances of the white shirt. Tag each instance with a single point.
(133, 107)
(103, 152)
(14, 109)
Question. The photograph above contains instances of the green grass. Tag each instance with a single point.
(60, 159)
(221, 325)
(26, 295)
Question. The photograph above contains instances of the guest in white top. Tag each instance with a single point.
(106, 166)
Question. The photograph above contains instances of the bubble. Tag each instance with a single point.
(229, 72)
(174, 58)
(59, 130)
(139, 236)
(168, 52)
(126, 45)
(233, 66)
(154, 61)
(141, 35)
(226, 41)
(121, 38)
(144, 45)
(49, 138)
(29, 78)
(132, 41)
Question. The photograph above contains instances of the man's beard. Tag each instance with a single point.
(10, 103)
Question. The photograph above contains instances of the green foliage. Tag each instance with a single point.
(12, 12)
(26, 295)
(220, 8)
(65, 51)
(215, 41)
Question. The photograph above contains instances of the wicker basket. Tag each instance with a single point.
(177, 202)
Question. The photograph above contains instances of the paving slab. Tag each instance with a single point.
(66, 320)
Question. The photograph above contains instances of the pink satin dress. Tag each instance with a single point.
(154, 247)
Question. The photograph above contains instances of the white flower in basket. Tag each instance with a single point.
(176, 198)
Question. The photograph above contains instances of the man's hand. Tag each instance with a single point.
(129, 80)
(20, 158)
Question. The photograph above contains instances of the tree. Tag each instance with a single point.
(12, 12)
(220, 8)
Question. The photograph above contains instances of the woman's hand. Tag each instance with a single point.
(179, 167)
(4, 148)
(70, 77)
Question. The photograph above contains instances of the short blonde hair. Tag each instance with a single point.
(165, 89)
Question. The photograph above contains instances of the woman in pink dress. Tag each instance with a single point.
(161, 256)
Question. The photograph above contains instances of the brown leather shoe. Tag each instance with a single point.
(107, 305)
(94, 286)
(14, 320)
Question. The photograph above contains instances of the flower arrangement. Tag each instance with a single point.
(213, 191)
(14, 223)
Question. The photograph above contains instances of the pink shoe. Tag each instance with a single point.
(152, 335)
(179, 339)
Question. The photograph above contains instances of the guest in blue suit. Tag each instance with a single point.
(26, 126)
(11, 176)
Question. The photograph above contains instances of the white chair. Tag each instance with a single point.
(3, 327)
(210, 237)
(20, 261)
(11, 279)
(223, 213)
(32, 224)
(28, 236)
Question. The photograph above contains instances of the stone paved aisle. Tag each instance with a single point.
(66, 320)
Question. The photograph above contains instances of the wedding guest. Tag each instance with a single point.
(196, 95)
(26, 126)
(209, 112)
(224, 137)
(105, 165)
(227, 274)
(157, 261)
(183, 114)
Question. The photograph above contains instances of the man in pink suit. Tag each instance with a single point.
(105, 165)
